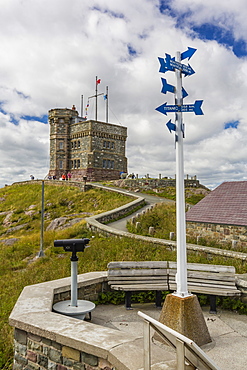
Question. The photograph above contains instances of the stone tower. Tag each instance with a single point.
(85, 147)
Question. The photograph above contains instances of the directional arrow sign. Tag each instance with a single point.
(188, 53)
(171, 126)
(172, 64)
(196, 108)
(167, 87)
(184, 93)
(163, 66)
(164, 108)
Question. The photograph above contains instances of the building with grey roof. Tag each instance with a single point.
(222, 214)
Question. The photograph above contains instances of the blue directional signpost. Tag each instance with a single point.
(181, 310)
(170, 64)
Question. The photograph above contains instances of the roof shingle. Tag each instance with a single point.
(227, 204)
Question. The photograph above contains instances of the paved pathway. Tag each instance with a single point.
(150, 200)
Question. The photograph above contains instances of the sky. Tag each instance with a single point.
(52, 51)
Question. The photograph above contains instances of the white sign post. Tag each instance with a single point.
(181, 310)
(170, 64)
(181, 277)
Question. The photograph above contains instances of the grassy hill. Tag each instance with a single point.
(20, 216)
(20, 220)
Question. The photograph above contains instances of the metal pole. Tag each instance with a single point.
(106, 104)
(81, 105)
(41, 252)
(74, 283)
(96, 100)
(181, 278)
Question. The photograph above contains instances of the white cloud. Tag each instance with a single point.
(51, 52)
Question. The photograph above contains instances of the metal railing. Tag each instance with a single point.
(187, 351)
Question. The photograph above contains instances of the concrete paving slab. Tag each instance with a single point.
(228, 331)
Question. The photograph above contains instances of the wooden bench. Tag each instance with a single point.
(133, 276)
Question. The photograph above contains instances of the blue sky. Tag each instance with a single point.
(51, 52)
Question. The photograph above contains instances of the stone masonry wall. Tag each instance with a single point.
(33, 352)
(156, 183)
(37, 352)
(237, 235)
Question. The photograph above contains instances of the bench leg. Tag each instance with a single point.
(212, 301)
(128, 300)
(158, 299)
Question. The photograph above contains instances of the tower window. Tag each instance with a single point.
(60, 165)
(78, 163)
(107, 163)
(75, 163)
(78, 144)
(61, 145)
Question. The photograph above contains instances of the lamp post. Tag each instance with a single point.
(41, 250)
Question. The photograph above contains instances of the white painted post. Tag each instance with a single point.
(146, 345)
(181, 278)
(180, 354)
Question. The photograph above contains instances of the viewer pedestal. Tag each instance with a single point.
(185, 316)
(78, 312)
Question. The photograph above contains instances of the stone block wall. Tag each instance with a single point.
(46, 340)
(151, 184)
(224, 233)
(34, 352)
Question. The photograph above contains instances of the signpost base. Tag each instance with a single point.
(185, 316)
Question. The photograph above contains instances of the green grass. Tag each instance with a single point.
(192, 195)
(163, 218)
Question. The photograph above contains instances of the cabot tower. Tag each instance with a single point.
(85, 147)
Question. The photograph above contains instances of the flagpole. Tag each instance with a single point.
(81, 105)
(96, 101)
(106, 104)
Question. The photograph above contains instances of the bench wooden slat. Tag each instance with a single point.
(138, 278)
(209, 283)
(209, 290)
(206, 281)
(137, 272)
(137, 264)
(205, 267)
(140, 287)
(137, 281)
